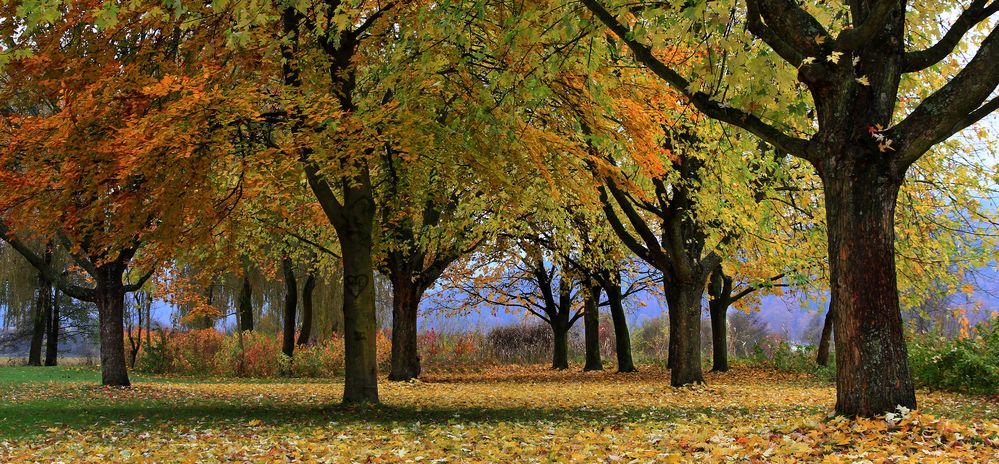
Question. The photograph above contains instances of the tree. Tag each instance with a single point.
(110, 131)
(524, 278)
(853, 67)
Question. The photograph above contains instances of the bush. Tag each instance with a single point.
(251, 355)
(969, 364)
(521, 343)
(449, 350)
(651, 340)
(775, 352)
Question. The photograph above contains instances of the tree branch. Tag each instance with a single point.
(702, 101)
(958, 101)
(75, 291)
(976, 13)
(851, 39)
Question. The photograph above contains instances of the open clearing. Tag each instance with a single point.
(515, 414)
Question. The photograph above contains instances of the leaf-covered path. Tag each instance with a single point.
(502, 415)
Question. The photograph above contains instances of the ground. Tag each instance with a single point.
(513, 414)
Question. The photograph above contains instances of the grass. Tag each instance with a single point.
(496, 414)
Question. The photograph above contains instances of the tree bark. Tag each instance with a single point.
(622, 336)
(405, 308)
(52, 338)
(560, 346)
(359, 325)
(684, 301)
(719, 335)
(720, 298)
(591, 327)
(671, 337)
(290, 306)
(41, 314)
(307, 290)
(245, 304)
(39, 323)
(822, 357)
(872, 371)
(110, 300)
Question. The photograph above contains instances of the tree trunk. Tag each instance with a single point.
(307, 290)
(720, 298)
(560, 346)
(52, 338)
(110, 300)
(591, 328)
(719, 334)
(149, 317)
(245, 304)
(822, 358)
(684, 301)
(39, 323)
(671, 337)
(622, 336)
(290, 306)
(872, 371)
(405, 308)
(359, 325)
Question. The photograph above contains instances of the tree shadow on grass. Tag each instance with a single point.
(31, 419)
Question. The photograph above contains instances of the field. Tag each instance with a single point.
(516, 414)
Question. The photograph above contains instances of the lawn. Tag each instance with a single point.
(515, 414)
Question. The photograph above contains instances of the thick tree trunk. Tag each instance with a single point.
(622, 336)
(560, 346)
(591, 328)
(52, 337)
(719, 335)
(872, 371)
(290, 306)
(110, 300)
(307, 291)
(684, 302)
(361, 362)
(822, 357)
(405, 308)
(245, 304)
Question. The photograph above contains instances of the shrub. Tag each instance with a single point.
(154, 358)
(652, 339)
(775, 352)
(251, 355)
(322, 359)
(969, 364)
(450, 350)
(521, 343)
